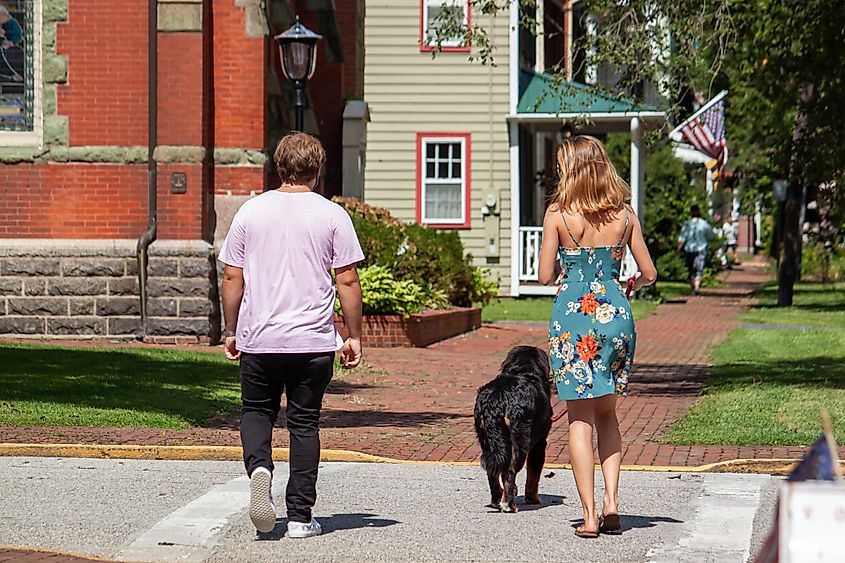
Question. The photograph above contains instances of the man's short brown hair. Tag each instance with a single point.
(299, 157)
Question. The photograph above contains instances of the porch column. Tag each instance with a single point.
(629, 265)
(513, 130)
(637, 166)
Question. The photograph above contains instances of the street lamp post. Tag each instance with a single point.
(298, 51)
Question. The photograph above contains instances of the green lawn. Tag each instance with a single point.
(46, 385)
(768, 387)
(814, 304)
(540, 308)
(670, 290)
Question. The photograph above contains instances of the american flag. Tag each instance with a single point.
(706, 132)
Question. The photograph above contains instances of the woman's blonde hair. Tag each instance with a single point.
(587, 180)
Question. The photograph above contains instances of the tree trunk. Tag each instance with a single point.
(788, 273)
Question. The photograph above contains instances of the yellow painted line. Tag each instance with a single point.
(234, 453)
(53, 551)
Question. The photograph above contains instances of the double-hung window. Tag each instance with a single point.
(443, 179)
(433, 14)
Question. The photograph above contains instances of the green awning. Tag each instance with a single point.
(546, 94)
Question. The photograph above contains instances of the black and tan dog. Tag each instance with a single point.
(512, 420)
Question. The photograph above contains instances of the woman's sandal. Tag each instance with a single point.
(582, 533)
(609, 523)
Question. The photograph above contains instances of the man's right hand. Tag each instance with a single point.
(350, 354)
(230, 348)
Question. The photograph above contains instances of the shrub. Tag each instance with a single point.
(382, 294)
(433, 260)
(671, 267)
(823, 264)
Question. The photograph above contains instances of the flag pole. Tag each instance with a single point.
(827, 427)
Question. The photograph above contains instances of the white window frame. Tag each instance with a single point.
(463, 140)
(460, 43)
(35, 137)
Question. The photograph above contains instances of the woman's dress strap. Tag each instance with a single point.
(625, 230)
(575, 240)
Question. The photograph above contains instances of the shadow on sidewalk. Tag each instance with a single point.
(633, 521)
(332, 418)
(333, 523)
(340, 387)
(545, 502)
(352, 419)
(672, 380)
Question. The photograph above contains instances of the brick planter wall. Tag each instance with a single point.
(64, 288)
(420, 329)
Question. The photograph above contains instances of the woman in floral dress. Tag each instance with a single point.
(591, 333)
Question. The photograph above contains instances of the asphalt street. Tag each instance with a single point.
(197, 511)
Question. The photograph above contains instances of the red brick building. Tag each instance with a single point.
(76, 135)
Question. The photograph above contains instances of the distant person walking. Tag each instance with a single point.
(730, 232)
(586, 230)
(695, 234)
(278, 304)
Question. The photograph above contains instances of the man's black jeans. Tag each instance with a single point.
(304, 377)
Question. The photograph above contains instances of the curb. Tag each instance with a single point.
(49, 552)
(233, 453)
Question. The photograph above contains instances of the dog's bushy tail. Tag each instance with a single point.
(494, 434)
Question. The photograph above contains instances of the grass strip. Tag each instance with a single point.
(814, 304)
(768, 387)
(86, 386)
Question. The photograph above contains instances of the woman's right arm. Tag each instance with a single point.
(648, 273)
(548, 268)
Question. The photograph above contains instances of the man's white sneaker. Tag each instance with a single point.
(261, 509)
(302, 530)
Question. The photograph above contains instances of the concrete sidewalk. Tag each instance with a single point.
(196, 511)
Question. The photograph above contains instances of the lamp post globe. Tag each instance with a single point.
(298, 53)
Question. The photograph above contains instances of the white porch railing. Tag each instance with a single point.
(530, 239)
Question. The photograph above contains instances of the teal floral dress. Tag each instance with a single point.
(591, 332)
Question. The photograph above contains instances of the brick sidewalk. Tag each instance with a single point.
(416, 404)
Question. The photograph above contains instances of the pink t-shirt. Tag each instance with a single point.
(287, 244)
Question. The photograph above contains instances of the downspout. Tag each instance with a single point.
(148, 236)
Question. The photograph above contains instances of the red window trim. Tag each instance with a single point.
(428, 49)
(467, 224)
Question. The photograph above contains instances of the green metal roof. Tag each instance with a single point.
(545, 94)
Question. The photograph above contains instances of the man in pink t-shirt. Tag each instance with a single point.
(278, 304)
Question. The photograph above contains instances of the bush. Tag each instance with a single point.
(822, 264)
(382, 294)
(671, 267)
(433, 260)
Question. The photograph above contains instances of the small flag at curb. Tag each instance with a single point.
(820, 463)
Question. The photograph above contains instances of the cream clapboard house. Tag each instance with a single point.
(455, 144)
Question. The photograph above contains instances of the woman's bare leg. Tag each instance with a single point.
(581, 452)
(610, 450)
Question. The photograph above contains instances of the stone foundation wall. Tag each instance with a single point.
(63, 288)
